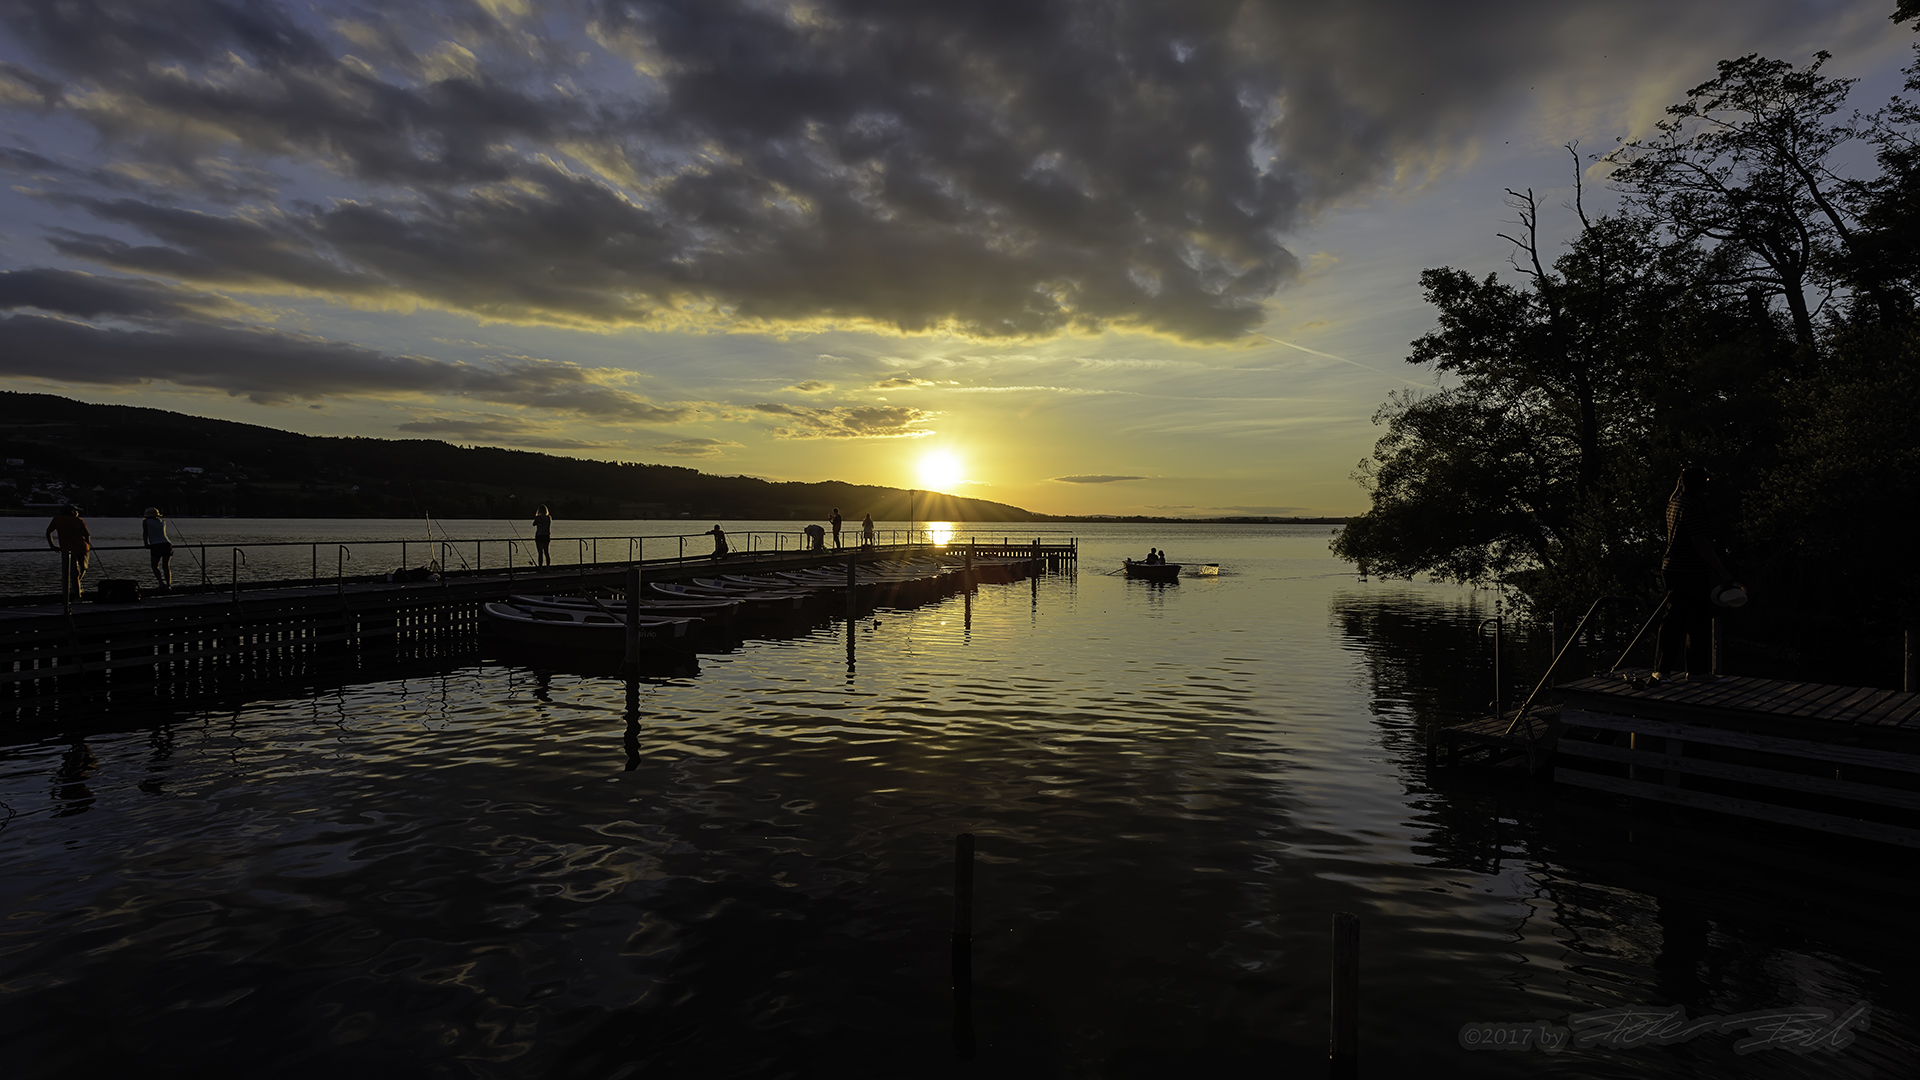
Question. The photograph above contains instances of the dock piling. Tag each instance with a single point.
(633, 619)
(1343, 1040)
(962, 946)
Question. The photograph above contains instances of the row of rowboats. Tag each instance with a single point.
(684, 614)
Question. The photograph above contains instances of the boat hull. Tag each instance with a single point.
(1153, 571)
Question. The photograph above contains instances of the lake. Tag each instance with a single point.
(486, 868)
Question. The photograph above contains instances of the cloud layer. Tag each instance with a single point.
(984, 167)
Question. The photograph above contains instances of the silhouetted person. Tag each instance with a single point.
(719, 542)
(542, 536)
(1684, 644)
(835, 522)
(153, 533)
(816, 538)
(75, 544)
(866, 530)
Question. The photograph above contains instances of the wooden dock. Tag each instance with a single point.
(176, 645)
(1840, 760)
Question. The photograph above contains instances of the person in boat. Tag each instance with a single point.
(542, 536)
(719, 542)
(1148, 561)
(153, 533)
(1683, 646)
(835, 522)
(816, 538)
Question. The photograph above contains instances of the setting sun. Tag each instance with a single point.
(939, 470)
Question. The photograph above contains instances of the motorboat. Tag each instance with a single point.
(1145, 571)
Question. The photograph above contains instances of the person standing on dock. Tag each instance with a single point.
(153, 533)
(1684, 643)
(75, 544)
(835, 522)
(542, 536)
(866, 530)
(719, 542)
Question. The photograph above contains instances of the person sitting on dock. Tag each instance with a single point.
(542, 536)
(1683, 646)
(835, 522)
(816, 538)
(76, 544)
(153, 533)
(719, 542)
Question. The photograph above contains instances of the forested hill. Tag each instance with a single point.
(115, 459)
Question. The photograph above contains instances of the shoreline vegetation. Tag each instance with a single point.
(116, 459)
(1750, 307)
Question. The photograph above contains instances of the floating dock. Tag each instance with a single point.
(176, 645)
(1841, 760)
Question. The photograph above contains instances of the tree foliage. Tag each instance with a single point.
(1749, 308)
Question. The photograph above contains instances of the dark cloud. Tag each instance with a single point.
(985, 167)
(811, 386)
(695, 448)
(846, 421)
(1096, 478)
(272, 367)
(495, 430)
(88, 296)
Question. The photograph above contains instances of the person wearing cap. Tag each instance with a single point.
(153, 533)
(75, 543)
(1683, 646)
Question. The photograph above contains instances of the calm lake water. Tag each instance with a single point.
(487, 869)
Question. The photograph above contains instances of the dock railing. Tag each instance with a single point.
(277, 563)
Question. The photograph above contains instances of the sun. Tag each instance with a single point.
(939, 470)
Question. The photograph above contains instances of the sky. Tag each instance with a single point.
(1086, 258)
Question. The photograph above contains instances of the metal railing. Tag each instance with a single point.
(275, 563)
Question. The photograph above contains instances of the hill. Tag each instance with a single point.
(115, 459)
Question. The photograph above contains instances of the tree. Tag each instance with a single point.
(1532, 470)
(1743, 163)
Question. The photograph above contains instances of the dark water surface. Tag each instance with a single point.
(489, 871)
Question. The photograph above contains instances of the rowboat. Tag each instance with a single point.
(1153, 571)
(710, 612)
(574, 628)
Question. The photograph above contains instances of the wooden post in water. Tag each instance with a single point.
(1716, 648)
(632, 662)
(1343, 1041)
(852, 561)
(962, 946)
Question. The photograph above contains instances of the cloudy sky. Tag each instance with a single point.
(1085, 257)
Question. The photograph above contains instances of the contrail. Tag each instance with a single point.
(1344, 360)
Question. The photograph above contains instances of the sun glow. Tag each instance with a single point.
(939, 470)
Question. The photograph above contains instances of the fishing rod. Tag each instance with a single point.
(170, 523)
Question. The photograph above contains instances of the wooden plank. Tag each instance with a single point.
(1769, 744)
(1881, 710)
(1851, 706)
(1833, 695)
(1905, 715)
(1779, 815)
(1746, 774)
